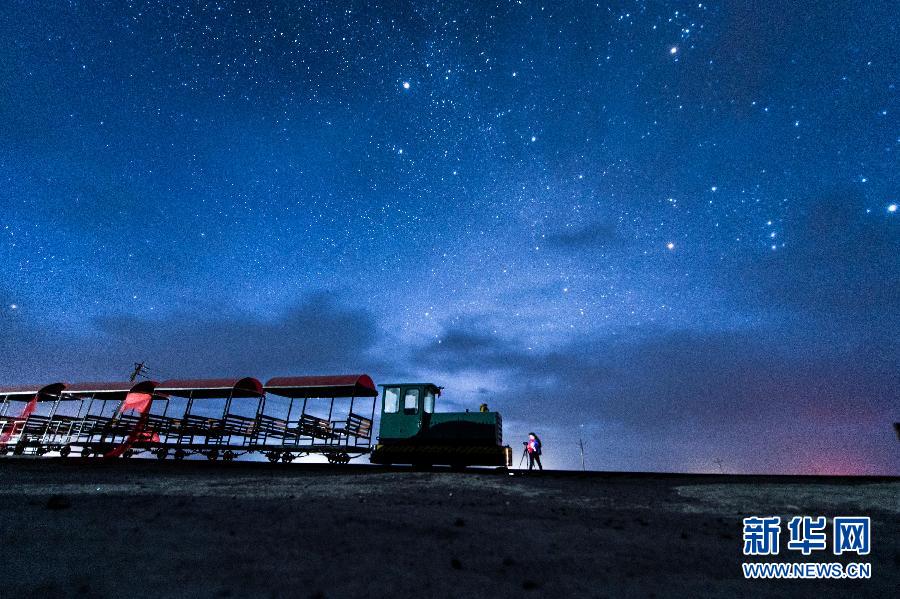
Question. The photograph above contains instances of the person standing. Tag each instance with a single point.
(534, 451)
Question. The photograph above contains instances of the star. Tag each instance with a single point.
(13, 306)
(670, 245)
(892, 208)
(673, 50)
(406, 85)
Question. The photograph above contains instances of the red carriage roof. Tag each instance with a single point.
(348, 385)
(110, 390)
(345, 385)
(207, 388)
(27, 392)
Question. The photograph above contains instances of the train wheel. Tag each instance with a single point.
(180, 454)
(4, 450)
(228, 456)
(161, 453)
(128, 453)
(273, 456)
(287, 457)
(213, 455)
(64, 451)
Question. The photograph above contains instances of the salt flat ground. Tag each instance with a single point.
(140, 528)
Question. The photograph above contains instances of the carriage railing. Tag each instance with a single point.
(233, 429)
(11, 428)
(355, 427)
(264, 429)
(306, 431)
(245, 425)
(63, 427)
(36, 423)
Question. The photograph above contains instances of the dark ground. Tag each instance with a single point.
(198, 529)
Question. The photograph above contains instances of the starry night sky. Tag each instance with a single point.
(669, 228)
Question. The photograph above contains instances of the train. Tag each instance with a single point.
(282, 420)
(412, 431)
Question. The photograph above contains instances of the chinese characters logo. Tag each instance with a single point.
(806, 534)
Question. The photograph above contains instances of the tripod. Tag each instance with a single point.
(524, 454)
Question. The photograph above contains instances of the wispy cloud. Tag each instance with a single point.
(594, 235)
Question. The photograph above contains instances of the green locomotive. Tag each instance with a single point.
(411, 432)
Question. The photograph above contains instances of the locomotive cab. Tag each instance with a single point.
(413, 432)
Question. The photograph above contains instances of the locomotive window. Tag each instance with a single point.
(429, 402)
(392, 400)
(411, 401)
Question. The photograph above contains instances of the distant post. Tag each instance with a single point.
(581, 444)
(139, 370)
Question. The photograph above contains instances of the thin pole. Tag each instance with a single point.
(330, 412)
(187, 411)
(290, 409)
(287, 424)
(47, 435)
(84, 418)
(302, 414)
(581, 443)
(372, 422)
(347, 424)
(107, 425)
(225, 411)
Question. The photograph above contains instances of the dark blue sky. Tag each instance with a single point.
(670, 227)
